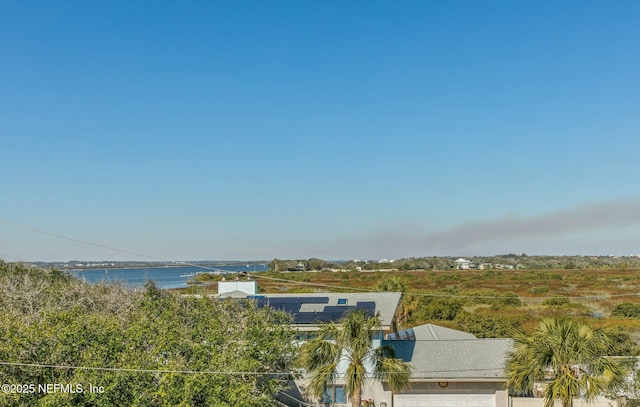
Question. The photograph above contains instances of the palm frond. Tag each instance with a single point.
(395, 372)
(320, 378)
(568, 357)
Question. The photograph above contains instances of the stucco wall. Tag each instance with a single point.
(453, 387)
(497, 389)
(539, 402)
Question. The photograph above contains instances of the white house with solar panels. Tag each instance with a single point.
(449, 368)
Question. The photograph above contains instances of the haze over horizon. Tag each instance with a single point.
(259, 130)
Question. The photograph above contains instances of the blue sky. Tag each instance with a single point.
(295, 129)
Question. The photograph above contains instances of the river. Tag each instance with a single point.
(164, 277)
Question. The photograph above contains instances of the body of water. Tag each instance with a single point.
(164, 277)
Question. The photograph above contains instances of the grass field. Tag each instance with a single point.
(513, 298)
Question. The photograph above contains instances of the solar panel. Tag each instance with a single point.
(330, 313)
(284, 300)
(313, 300)
(304, 317)
(261, 302)
(369, 307)
(290, 308)
(338, 308)
(325, 317)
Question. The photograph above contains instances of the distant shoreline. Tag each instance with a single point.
(107, 265)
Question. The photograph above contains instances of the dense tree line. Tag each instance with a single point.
(141, 347)
(515, 261)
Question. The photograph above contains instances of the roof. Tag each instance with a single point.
(315, 308)
(441, 353)
(430, 332)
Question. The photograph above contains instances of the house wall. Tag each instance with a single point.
(539, 402)
(454, 387)
(497, 389)
(376, 391)
(249, 287)
(380, 393)
(373, 389)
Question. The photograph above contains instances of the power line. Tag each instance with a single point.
(213, 372)
(99, 245)
(135, 370)
(434, 295)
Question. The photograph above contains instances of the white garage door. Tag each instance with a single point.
(443, 400)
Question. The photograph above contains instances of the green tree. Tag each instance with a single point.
(144, 347)
(395, 284)
(351, 340)
(569, 357)
(410, 302)
(439, 308)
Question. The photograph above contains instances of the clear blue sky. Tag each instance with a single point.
(332, 129)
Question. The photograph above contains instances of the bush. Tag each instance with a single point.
(538, 290)
(484, 326)
(556, 301)
(49, 317)
(627, 310)
(444, 309)
(495, 299)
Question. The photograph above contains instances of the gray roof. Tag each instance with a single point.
(430, 332)
(471, 358)
(386, 303)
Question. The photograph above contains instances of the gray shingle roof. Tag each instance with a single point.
(430, 332)
(437, 358)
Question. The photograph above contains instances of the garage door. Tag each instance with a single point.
(443, 400)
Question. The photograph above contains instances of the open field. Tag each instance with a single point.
(508, 298)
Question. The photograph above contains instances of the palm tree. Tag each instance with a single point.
(569, 357)
(351, 341)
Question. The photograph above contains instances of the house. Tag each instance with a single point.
(462, 264)
(237, 288)
(451, 368)
(309, 311)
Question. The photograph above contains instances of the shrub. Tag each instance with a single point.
(627, 310)
(484, 326)
(440, 309)
(556, 301)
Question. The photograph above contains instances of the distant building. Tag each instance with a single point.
(237, 288)
(462, 264)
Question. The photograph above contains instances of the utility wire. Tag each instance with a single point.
(100, 245)
(259, 276)
(126, 369)
(212, 372)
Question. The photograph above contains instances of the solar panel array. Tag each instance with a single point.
(330, 313)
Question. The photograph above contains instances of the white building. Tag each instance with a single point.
(462, 264)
